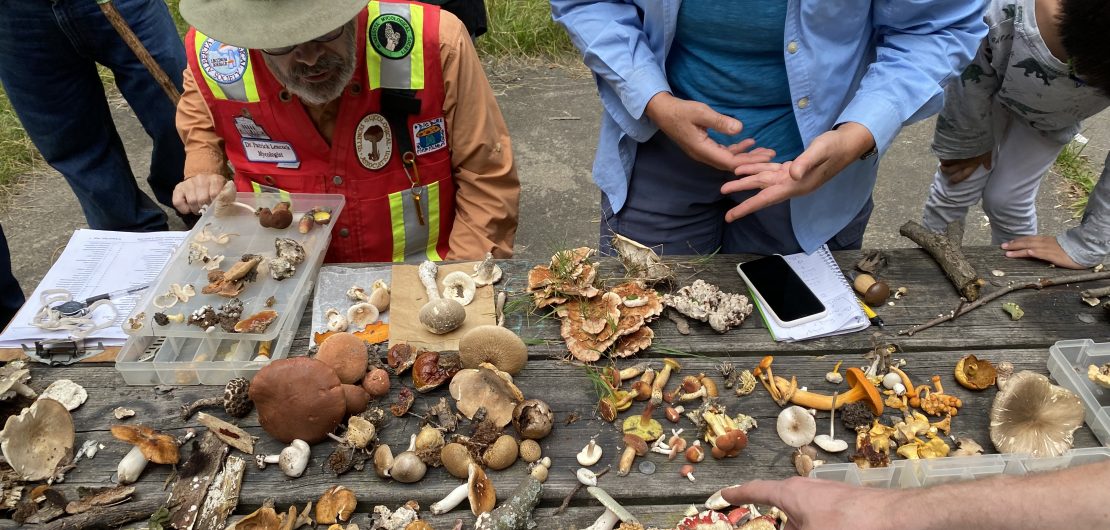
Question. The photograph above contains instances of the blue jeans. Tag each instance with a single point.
(11, 296)
(48, 56)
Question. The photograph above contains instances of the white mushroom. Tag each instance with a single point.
(361, 315)
(586, 477)
(213, 263)
(64, 391)
(828, 442)
(453, 499)
(357, 294)
(460, 287)
(336, 321)
(606, 521)
(12, 379)
(590, 454)
(379, 295)
(292, 459)
(35, 441)
(438, 315)
(796, 426)
(487, 272)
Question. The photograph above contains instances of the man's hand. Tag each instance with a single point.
(1040, 247)
(958, 170)
(812, 504)
(687, 124)
(197, 191)
(827, 155)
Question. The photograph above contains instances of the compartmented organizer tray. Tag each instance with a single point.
(181, 354)
(930, 472)
(1067, 364)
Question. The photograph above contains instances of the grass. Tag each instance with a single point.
(17, 155)
(1079, 174)
(523, 29)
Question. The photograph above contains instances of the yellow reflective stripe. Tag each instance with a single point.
(416, 58)
(373, 60)
(282, 194)
(433, 221)
(397, 220)
(256, 187)
(213, 86)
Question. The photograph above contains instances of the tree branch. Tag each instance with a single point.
(948, 254)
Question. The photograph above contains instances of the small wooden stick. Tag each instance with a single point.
(1039, 284)
(577, 487)
(1095, 293)
(105, 517)
(949, 256)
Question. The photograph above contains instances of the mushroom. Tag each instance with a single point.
(453, 499)
(224, 205)
(360, 432)
(874, 292)
(346, 354)
(1031, 415)
(975, 374)
(71, 395)
(38, 439)
(438, 315)
(687, 471)
(796, 426)
(533, 419)
(337, 504)
(502, 453)
(12, 381)
(149, 446)
(834, 376)
(432, 369)
(708, 303)
(292, 459)
(298, 397)
(379, 295)
(357, 294)
(361, 315)
(355, 399)
(633, 446)
(456, 459)
(695, 453)
(256, 323)
(486, 272)
(376, 383)
(383, 461)
(862, 390)
(278, 217)
(336, 321)
(828, 442)
(805, 459)
(660, 382)
(235, 400)
(407, 466)
(967, 447)
(400, 357)
(480, 491)
(590, 454)
(530, 450)
(489, 388)
(460, 287)
(495, 345)
(611, 504)
(264, 518)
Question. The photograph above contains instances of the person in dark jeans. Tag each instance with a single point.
(11, 296)
(49, 50)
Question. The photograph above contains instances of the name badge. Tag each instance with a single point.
(269, 151)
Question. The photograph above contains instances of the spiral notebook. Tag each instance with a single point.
(824, 277)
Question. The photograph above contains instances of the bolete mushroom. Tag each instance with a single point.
(633, 446)
(974, 373)
(495, 345)
(796, 426)
(438, 315)
(489, 388)
(376, 383)
(38, 439)
(533, 419)
(149, 446)
(235, 400)
(298, 398)
(874, 292)
(292, 459)
(355, 399)
(1031, 415)
(346, 354)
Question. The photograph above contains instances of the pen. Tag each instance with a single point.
(874, 318)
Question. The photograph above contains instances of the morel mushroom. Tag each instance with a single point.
(235, 400)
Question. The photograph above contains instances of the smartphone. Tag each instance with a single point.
(780, 291)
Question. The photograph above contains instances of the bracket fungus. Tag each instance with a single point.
(496, 345)
(708, 303)
(35, 441)
(570, 274)
(489, 388)
(256, 323)
(149, 446)
(71, 395)
(1031, 415)
(439, 315)
(298, 398)
(974, 373)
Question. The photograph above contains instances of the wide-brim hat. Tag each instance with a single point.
(260, 24)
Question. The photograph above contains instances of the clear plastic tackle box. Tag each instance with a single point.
(183, 354)
(1067, 364)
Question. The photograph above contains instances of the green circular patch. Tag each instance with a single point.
(392, 36)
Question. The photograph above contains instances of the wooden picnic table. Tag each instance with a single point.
(1050, 315)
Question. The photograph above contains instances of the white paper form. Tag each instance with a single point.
(95, 262)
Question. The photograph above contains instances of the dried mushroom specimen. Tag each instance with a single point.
(569, 275)
(256, 323)
(641, 261)
(279, 217)
(231, 283)
(1099, 375)
(38, 439)
(708, 303)
(974, 373)
(1031, 415)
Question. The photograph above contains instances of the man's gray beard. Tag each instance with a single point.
(320, 93)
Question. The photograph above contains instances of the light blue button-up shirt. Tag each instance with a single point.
(881, 63)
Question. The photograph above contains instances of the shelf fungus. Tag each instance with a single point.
(570, 274)
(708, 303)
(231, 283)
(432, 369)
(618, 319)
(1031, 415)
(974, 373)
(641, 262)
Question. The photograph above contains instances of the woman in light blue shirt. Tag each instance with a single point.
(818, 86)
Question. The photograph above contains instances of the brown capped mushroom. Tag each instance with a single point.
(38, 439)
(482, 495)
(376, 383)
(874, 292)
(456, 458)
(530, 450)
(337, 504)
(346, 354)
(533, 419)
(495, 345)
(489, 388)
(278, 217)
(1031, 415)
(298, 397)
(502, 453)
(355, 399)
(975, 374)
(149, 446)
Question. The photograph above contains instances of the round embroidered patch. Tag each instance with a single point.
(391, 36)
(223, 63)
(373, 141)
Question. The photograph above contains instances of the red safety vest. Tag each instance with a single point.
(389, 153)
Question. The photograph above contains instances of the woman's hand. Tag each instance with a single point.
(687, 123)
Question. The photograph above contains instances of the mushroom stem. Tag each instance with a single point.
(661, 378)
(858, 392)
(187, 411)
(427, 272)
(24, 390)
(606, 521)
(605, 499)
(262, 460)
(701, 393)
(633, 371)
(452, 500)
(627, 457)
(131, 466)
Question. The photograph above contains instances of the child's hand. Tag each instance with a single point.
(1040, 247)
(958, 170)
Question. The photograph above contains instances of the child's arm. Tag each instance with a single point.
(1089, 243)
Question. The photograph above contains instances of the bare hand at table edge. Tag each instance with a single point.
(687, 123)
(1072, 498)
(1045, 248)
(194, 192)
(826, 156)
(959, 169)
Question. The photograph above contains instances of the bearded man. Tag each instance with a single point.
(384, 102)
